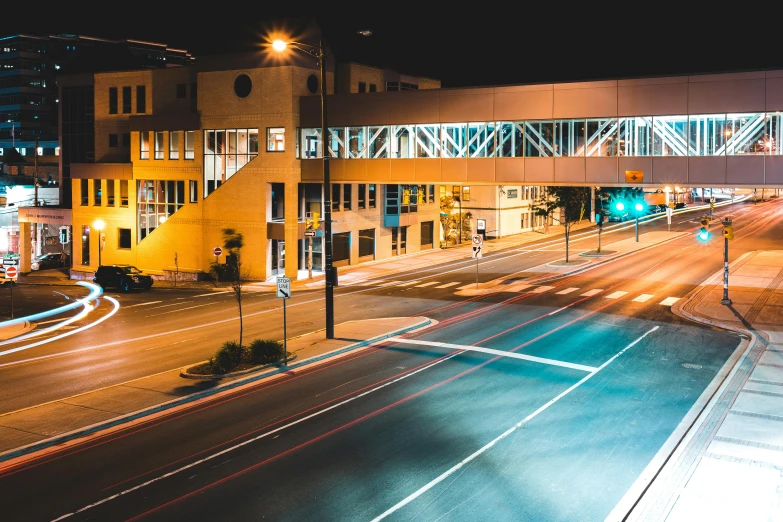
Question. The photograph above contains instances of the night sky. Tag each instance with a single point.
(492, 43)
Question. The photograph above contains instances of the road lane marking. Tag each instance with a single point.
(409, 283)
(465, 287)
(502, 353)
(211, 293)
(541, 289)
(566, 291)
(669, 301)
(447, 285)
(419, 492)
(257, 438)
(389, 283)
(428, 284)
(145, 304)
(615, 295)
(593, 292)
(166, 306)
(179, 310)
(643, 298)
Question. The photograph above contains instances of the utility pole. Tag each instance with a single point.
(35, 173)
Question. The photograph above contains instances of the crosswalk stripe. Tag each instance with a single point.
(542, 289)
(593, 292)
(615, 295)
(428, 284)
(447, 285)
(567, 291)
(409, 283)
(669, 301)
(642, 298)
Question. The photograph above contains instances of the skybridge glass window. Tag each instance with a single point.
(403, 141)
(601, 137)
(225, 152)
(336, 142)
(569, 139)
(454, 143)
(745, 133)
(634, 136)
(428, 141)
(510, 136)
(670, 136)
(707, 135)
(357, 142)
(481, 140)
(773, 127)
(378, 146)
(311, 143)
(538, 139)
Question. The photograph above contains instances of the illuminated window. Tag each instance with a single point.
(275, 139)
(173, 145)
(225, 152)
(190, 151)
(144, 145)
(159, 145)
(156, 201)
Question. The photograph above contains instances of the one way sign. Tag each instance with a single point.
(477, 251)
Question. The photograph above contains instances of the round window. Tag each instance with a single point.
(312, 84)
(243, 85)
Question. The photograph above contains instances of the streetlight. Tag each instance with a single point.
(99, 224)
(638, 208)
(318, 52)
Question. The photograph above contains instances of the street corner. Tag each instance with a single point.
(11, 329)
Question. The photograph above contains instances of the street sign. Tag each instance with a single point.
(477, 251)
(634, 176)
(284, 287)
(309, 233)
(11, 272)
(217, 251)
(478, 239)
(8, 261)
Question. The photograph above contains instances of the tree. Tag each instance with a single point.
(233, 242)
(545, 207)
(451, 222)
(572, 202)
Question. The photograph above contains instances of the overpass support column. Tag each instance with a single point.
(592, 204)
(25, 246)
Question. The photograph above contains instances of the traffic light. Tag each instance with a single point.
(728, 232)
(65, 236)
(316, 221)
(599, 218)
(704, 234)
(638, 207)
(308, 223)
(619, 205)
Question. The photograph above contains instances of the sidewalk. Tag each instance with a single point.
(728, 466)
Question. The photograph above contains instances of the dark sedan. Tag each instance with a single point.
(52, 260)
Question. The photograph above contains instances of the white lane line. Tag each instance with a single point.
(669, 301)
(643, 298)
(566, 291)
(615, 295)
(211, 293)
(419, 492)
(447, 285)
(254, 439)
(465, 287)
(389, 283)
(558, 310)
(593, 292)
(149, 303)
(168, 305)
(178, 310)
(490, 351)
(541, 289)
(409, 283)
(428, 284)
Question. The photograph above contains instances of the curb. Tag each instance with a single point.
(216, 376)
(117, 421)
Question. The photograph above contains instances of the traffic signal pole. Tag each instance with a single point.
(726, 301)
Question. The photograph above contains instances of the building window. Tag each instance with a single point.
(392, 200)
(512, 193)
(123, 192)
(275, 139)
(194, 191)
(124, 238)
(126, 100)
(348, 197)
(174, 145)
(113, 140)
(341, 247)
(422, 194)
(126, 140)
(112, 100)
(157, 200)
(225, 152)
(190, 145)
(362, 197)
(159, 145)
(97, 192)
(426, 234)
(141, 99)
(362, 87)
(431, 194)
(181, 91)
(85, 244)
(373, 87)
(335, 198)
(371, 195)
(85, 192)
(144, 145)
(110, 192)
(367, 243)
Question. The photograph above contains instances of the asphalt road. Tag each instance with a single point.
(515, 406)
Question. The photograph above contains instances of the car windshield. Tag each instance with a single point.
(132, 270)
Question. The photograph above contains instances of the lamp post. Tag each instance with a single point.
(318, 53)
(638, 207)
(99, 224)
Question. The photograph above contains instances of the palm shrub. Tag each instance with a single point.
(228, 357)
(264, 351)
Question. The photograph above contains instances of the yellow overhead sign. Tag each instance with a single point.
(634, 176)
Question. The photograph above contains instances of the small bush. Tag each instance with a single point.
(264, 351)
(228, 357)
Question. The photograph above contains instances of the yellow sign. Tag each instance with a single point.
(634, 176)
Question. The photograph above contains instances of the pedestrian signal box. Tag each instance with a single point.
(728, 232)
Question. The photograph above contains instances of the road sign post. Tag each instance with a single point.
(11, 272)
(726, 301)
(217, 251)
(669, 218)
(284, 293)
(309, 234)
(478, 242)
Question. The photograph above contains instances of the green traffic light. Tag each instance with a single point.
(704, 235)
(619, 206)
(639, 207)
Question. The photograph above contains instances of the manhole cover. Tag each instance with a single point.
(691, 366)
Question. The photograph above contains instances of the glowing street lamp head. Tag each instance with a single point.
(619, 205)
(279, 45)
(99, 224)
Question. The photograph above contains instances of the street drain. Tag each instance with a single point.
(691, 366)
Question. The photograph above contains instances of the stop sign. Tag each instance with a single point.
(217, 251)
(11, 272)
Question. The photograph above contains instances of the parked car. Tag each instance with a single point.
(124, 277)
(619, 215)
(51, 260)
(680, 204)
